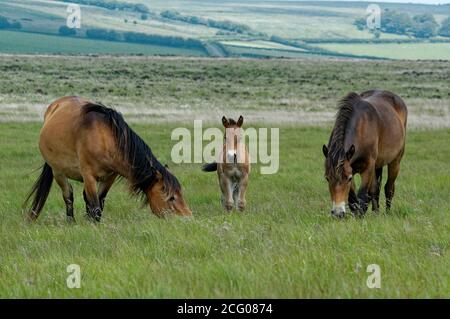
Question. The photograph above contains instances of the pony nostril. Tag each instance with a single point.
(340, 214)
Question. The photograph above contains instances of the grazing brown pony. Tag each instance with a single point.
(369, 133)
(92, 143)
(233, 167)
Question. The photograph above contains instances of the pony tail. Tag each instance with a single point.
(209, 167)
(40, 190)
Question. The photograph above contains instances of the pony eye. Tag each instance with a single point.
(350, 178)
(172, 198)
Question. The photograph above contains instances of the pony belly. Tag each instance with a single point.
(63, 162)
(69, 169)
(234, 173)
(388, 153)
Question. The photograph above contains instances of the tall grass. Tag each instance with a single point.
(285, 245)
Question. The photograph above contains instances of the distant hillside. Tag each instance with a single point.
(230, 28)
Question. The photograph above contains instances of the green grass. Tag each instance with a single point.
(405, 51)
(30, 43)
(285, 244)
(261, 45)
(257, 52)
(206, 84)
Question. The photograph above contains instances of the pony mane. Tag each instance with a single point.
(336, 151)
(143, 164)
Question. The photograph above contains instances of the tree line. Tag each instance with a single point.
(223, 25)
(419, 26)
(6, 24)
(113, 5)
(136, 37)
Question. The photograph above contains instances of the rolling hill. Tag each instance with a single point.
(248, 28)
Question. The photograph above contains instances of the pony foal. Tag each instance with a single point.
(233, 166)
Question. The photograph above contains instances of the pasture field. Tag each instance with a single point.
(261, 45)
(31, 43)
(285, 245)
(406, 51)
(183, 89)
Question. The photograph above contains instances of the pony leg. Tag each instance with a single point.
(67, 193)
(104, 188)
(235, 188)
(243, 183)
(353, 199)
(375, 189)
(91, 198)
(367, 178)
(389, 187)
(227, 193)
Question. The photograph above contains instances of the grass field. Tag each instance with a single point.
(285, 244)
(261, 45)
(406, 51)
(31, 43)
(179, 90)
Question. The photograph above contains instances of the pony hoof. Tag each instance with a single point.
(229, 208)
(95, 215)
(241, 207)
(359, 214)
(70, 219)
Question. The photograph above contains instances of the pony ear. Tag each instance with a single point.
(350, 152)
(225, 121)
(240, 121)
(325, 150)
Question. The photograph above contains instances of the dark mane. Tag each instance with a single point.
(336, 151)
(231, 121)
(143, 164)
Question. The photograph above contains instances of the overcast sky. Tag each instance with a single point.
(407, 1)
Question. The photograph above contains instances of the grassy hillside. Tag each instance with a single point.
(180, 90)
(309, 21)
(31, 43)
(408, 51)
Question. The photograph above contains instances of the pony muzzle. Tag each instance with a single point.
(338, 210)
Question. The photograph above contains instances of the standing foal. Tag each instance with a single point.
(233, 166)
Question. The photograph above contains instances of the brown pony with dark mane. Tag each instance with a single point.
(92, 143)
(368, 134)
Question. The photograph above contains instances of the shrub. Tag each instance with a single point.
(424, 26)
(162, 40)
(223, 25)
(5, 24)
(103, 34)
(16, 25)
(113, 5)
(445, 28)
(66, 31)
